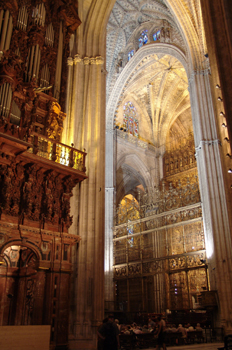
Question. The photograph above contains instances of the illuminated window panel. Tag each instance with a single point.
(143, 39)
(156, 36)
(131, 54)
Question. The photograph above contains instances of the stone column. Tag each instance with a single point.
(213, 187)
(90, 259)
(109, 219)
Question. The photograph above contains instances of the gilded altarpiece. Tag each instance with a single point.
(159, 247)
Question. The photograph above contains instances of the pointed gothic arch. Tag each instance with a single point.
(205, 126)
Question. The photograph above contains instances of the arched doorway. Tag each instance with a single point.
(19, 285)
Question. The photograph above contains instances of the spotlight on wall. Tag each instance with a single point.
(224, 125)
(230, 171)
(218, 87)
(222, 114)
(226, 139)
(219, 99)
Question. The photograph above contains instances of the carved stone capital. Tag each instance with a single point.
(77, 59)
(198, 72)
(99, 60)
(92, 60)
(70, 61)
(86, 61)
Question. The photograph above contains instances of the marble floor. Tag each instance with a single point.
(202, 346)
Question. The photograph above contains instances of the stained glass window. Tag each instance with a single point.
(156, 36)
(130, 121)
(143, 39)
(131, 54)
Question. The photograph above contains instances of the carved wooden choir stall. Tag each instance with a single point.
(37, 171)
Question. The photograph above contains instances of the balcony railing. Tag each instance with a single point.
(58, 152)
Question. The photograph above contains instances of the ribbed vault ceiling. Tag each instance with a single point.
(159, 86)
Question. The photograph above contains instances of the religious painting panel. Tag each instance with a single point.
(194, 237)
(120, 252)
(197, 281)
(133, 244)
(160, 243)
(147, 246)
(148, 287)
(121, 295)
(175, 240)
(178, 291)
(135, 294)
(160, 292)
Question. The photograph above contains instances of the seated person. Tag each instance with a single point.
(173, 328)
(145, 329)
(190, 328)
(198, 327)
(150, 322)
(127, 330)
(137, 330)
(182, 330)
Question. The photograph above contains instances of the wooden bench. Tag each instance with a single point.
(174, 338)
(145, 340)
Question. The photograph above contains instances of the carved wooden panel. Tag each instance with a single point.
(31, 194)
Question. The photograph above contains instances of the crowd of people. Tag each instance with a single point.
(110, 330)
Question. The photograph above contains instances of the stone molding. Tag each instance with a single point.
(98, 60)
(207, 143)
(70, 61)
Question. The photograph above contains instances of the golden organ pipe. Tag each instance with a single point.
(8, 97)
(20, 18)
(49, 34)
(59, 53)
(5, 25)
(37, 18)
(25, 19)
(52, 36)
(1, 17)
(9, 33)
(4, 99)
(38, 64)
(43, 14)
(30, 57)
(1, 92)
(35, 60)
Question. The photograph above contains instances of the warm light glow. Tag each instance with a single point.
(209, 247)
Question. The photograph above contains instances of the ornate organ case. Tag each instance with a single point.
(38, 172)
